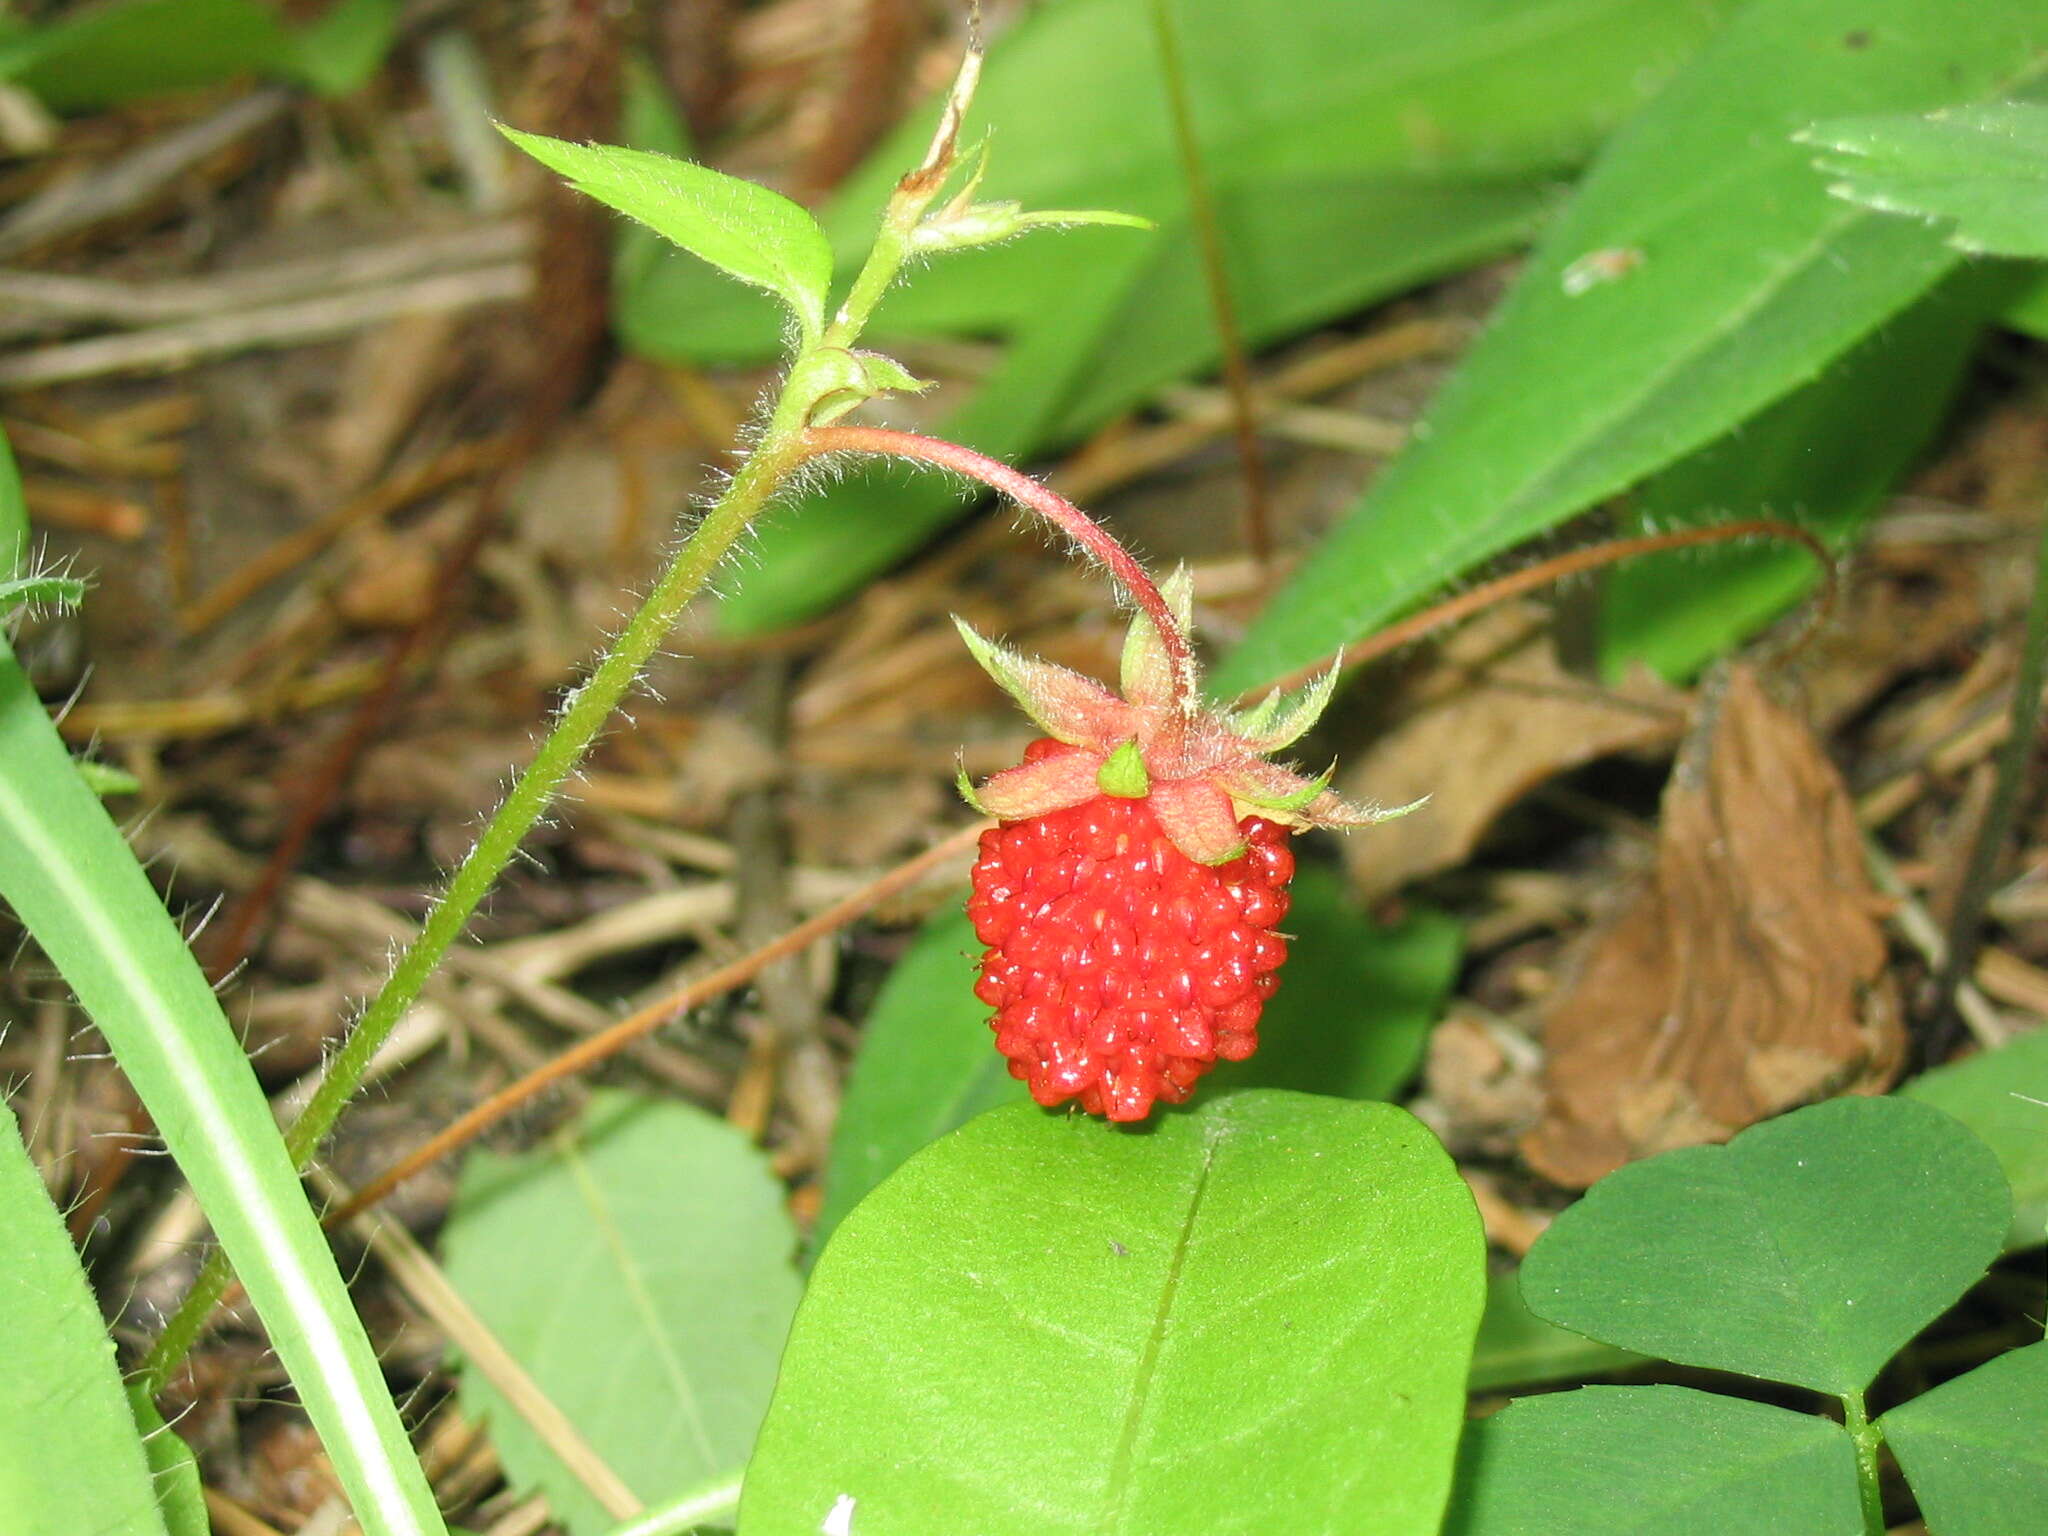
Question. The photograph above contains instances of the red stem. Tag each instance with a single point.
(1089, 536)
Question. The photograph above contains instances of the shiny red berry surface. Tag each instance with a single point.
(1120, 970)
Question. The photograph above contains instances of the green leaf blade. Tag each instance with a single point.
(1358, 147)
(77, 887)
(1974, 1448)
(1351, 1018)
(1516, 1348)
(1653, 1461)
(743, 229)
(71, 1462)
(1823, 458)
(1809, 1249)
(927, 1064)
(1981, 171)
(1031, 1259)
(1734, 278)
(2002, 1096)
(667, 1230)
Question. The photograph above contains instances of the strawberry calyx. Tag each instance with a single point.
(1202, 771)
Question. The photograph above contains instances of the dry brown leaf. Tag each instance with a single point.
(1481, 1087)
(1746, 976)
(1505, 717)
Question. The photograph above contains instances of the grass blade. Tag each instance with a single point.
(1701, 273)
(75, 884)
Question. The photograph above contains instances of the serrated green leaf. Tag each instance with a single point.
(1252, 1317)
(639, 1267)
(1351, 1018)
(1981, 171)
(745, 230)
(1824, 458)
(1357, 147)
(1653, 1461)
(1736, 278)
(71, 1463)
(1809, 1249)
(1974, 1449)
(2002, 1096)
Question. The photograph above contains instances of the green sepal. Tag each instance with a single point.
(1001, 664)
(837, 380)
(1123, 773)
(1147, 669)
(964, 227)
(967, 792)
(1301, 799)
(1280, 719)
(963, 223)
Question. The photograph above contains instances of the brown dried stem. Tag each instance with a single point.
(1557, 568)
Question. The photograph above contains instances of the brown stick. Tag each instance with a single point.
(445, 469)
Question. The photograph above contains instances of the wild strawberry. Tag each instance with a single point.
(1130, 894)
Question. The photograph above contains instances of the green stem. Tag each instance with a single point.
(780, 450)
(1868, 1440)
(711, 1500)
(73, 881)
(913, 195)
(782, 447)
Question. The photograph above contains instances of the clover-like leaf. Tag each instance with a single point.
(2002, 1096)
(1975, 1449)
(1653, 1461)
(1809, 1250)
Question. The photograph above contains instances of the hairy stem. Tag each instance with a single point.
(606, 1043)
(780, 450)
(1089, 536)
(783, 446)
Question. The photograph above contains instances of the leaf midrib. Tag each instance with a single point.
(1116, 1492)
(639, 1297)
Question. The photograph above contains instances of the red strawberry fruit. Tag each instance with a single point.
(1130, 895)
